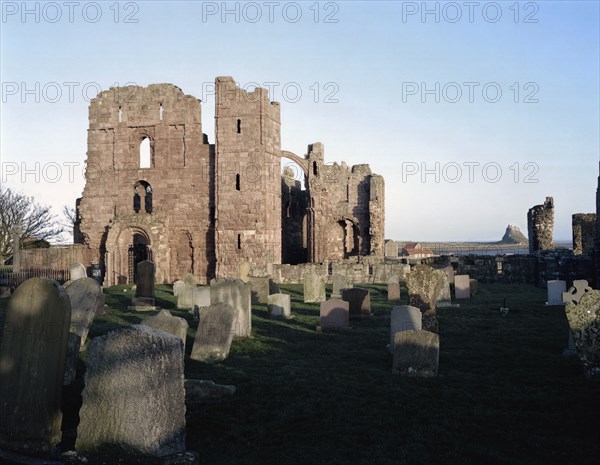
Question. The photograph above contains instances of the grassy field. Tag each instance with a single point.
(504, 394)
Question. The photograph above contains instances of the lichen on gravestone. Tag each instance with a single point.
(584, 322)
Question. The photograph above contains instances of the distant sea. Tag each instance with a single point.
(482, 248)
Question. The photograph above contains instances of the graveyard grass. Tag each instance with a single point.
(504, 394)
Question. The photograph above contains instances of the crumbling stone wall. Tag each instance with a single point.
(584, 233)
(195, 207)
(540, 225)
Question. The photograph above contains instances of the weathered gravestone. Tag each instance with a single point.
(215, 333)
(77, 271)
(4, 291)
(404, 318)
(201, 296)
(185, 296)
(314, 288)
(445, 298)
(168, 323)
(177, 285)
(334, 316)
(359, 301)
(473, 286)
(144, 291)
(393, 292)
(32, 360)
(260, 289)
(279, 305)
(584, 321)
(449, 273)
(462, 286)
(237, 294)
(84, 294)
(556, 288)
(393, 279)
(134, 396)
(338, 282)
(416, 353)
(425, 286)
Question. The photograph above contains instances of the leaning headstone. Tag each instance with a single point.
(237, 294)
(260, 289)
(416, 353)
(577, 291)
(279, 305)
(584, 321)
(185, 296)
(77, 271)
(556, 288)
(134, 395)
(168, 323)
(359, 301)
(32, 360)
(201, 296)
(338, 282)
(334, 316)
(393, 292)
(449, 273)
(314, 288)
(424, 287)
(84, 294)
(404, 318)
(215, 333)
(462, 286)
(144, 291)
(177, 285)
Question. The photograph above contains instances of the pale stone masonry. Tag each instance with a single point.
(540, 226)
(194, 207)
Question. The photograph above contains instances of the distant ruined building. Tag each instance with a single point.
(156, 189)
(540, 225)
(584, 233)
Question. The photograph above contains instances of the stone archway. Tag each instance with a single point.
(126, 245)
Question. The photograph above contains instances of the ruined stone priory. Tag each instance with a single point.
(157, 190)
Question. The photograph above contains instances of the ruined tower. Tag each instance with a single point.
(584, 233)
(540, 226)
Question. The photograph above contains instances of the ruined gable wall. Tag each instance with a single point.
(540, 225)
(120, 119)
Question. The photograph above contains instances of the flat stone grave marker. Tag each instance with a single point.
(359, 301)
(416, 353)
(32, 359)
(134, 395)
(215, 333)
(279, 305)
(314, 288)
(556, 288)
(237, 294)
(334, 316)
(404, 318)
(462, 286)
(168, 323)
(77, 271)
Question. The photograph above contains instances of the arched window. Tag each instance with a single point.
(315, 171)
(160, 112)
(145, 153)
(120, 115)
(142, 197)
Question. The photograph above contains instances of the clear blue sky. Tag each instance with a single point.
(371, 69)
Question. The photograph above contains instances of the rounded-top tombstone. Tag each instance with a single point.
(32, 361)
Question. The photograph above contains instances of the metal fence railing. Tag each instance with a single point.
(8, 278)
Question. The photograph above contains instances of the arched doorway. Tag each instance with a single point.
(139, 251)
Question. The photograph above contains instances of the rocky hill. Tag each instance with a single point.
(513, 235)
